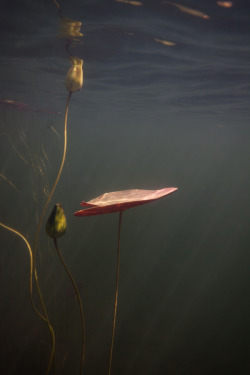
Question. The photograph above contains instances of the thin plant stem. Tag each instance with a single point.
(57, 178)
(51, 330)
(31, 264)
(39, 228)
(116, 292)
(79, 301)
(31, 287)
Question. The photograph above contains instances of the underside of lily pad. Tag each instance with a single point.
(117, 201)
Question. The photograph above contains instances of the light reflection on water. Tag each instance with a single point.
(149, 115)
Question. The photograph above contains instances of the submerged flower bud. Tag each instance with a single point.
(56, 224)
(74, 79)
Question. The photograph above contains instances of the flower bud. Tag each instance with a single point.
(74, 79)
(56, 224)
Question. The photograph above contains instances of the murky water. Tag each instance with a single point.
(165, 102)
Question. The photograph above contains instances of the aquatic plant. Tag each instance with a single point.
(107, 203)
(74, 82)
(44, 318)
(55, 228)
(118, 201)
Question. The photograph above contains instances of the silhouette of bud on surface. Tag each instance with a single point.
(74, 79)
(56, 224)
(69, 28)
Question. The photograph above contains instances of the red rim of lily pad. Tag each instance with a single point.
(118, 201)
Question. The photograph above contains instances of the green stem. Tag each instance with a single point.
(38, 232)
(31, 265)
(79, 301)
(31, 287)
(57, 178)
(116, 292)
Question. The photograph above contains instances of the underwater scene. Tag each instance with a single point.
(125, 187)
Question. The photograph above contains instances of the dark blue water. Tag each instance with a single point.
(150, 115)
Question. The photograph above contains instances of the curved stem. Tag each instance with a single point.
(30, 282)
(31, 264)
(116, 292)
(46, 319)
(38, 232)
(79, 300)
(57, 178)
